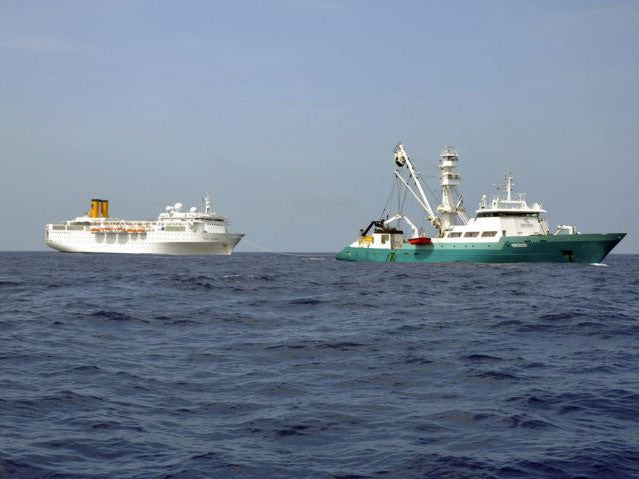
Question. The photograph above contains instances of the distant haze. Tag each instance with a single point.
(288, 111)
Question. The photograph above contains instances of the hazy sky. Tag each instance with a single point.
(288, 111)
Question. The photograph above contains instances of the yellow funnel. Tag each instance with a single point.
(95, 208)
(104, 208)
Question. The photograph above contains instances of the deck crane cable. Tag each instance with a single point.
(426, 184)
(402, 193)
(433, 195)
(388, 200)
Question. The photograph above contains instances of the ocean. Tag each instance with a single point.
(301, 366)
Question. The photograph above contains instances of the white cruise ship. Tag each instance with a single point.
(175, 232)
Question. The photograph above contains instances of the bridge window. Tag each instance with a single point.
(454, 234)
(471, 234)
(488, 234)
(515, 213)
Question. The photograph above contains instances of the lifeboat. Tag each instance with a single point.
(420, 241)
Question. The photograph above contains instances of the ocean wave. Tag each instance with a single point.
(268, 366)
(110, 315)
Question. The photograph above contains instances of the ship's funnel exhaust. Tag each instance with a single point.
(99, 208)
(104, 208)
(95, 208)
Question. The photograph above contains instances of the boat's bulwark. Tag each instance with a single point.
(575, 248)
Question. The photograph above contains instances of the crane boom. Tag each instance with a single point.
(401, 159)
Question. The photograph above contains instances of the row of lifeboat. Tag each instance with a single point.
(119, 230)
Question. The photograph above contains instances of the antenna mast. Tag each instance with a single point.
(208, 204)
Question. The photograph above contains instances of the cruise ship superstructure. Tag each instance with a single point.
(175, 232)
(505, 229)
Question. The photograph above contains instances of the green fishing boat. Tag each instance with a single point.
(505, 229)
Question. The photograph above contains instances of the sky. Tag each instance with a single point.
(288, 111)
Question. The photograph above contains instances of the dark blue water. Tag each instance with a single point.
(263, 365)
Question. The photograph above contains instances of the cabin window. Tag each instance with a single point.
(492, 214)
(471, 234)
(454, 234)
(384, 239)
(488, 234)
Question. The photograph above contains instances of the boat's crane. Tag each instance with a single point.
(405, 218)
(401, 159)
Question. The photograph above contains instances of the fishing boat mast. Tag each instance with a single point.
(452, 204)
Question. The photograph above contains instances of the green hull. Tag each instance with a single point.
(576, 248)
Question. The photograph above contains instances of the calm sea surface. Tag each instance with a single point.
(274, 366)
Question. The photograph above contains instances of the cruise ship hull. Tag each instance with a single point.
(574, 248)
(213, 244)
